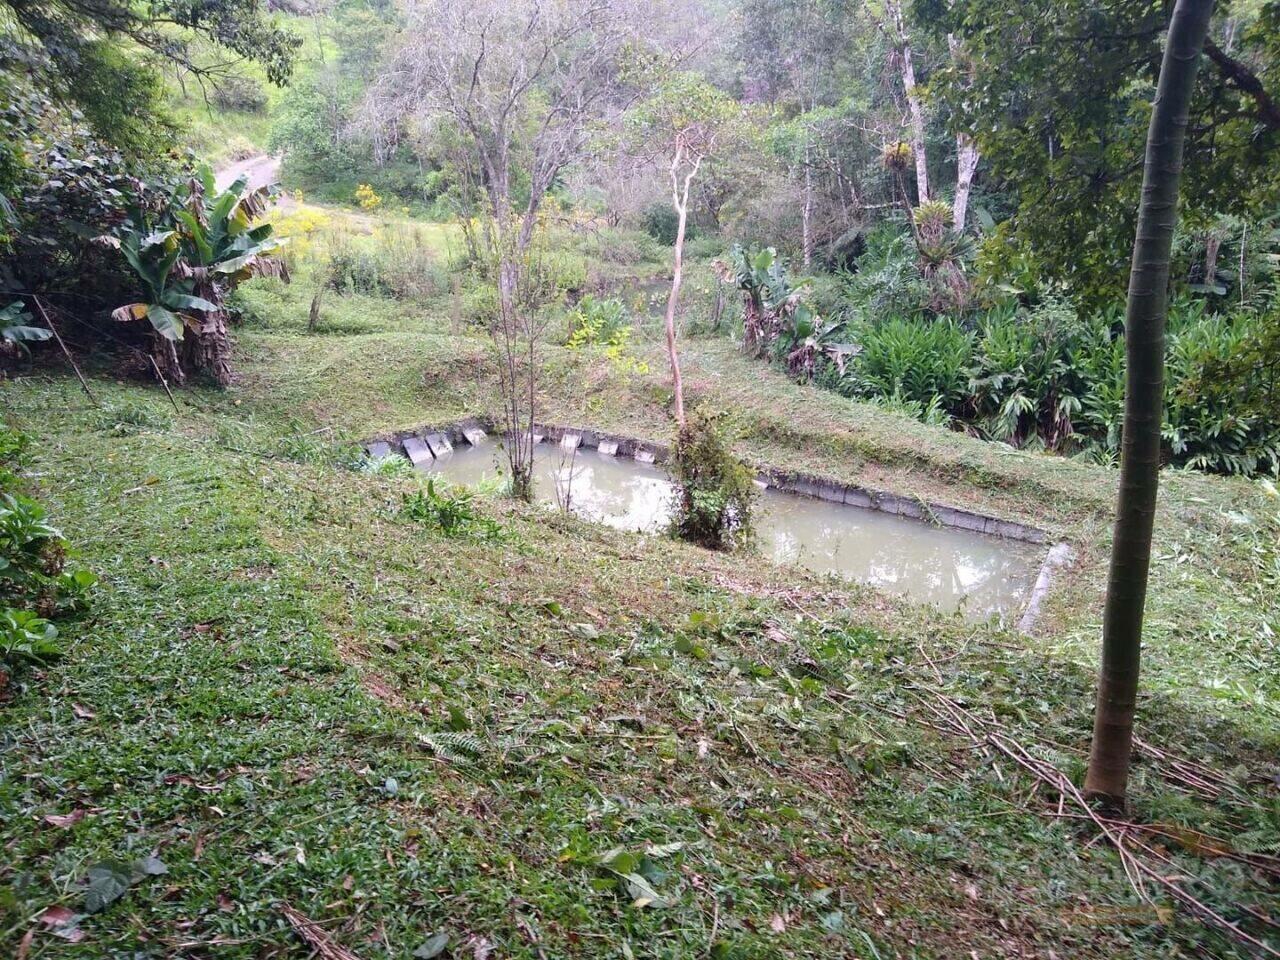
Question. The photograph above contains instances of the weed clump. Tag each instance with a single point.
(715, 489)
(453, 514)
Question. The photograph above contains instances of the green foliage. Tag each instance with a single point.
(15, 333)
(1063, 134)
(1024, 383)
(240, 93)
(388, 466)
(188, 245)
(605, 325)
(777, 318)
(715, 490)
(25, 637)
(1045, 378)
(327, 154)
(660, 222)
(913, 360)
(480, 302)
(35, 584)
(62, 186)
(453, 513)
(596, 322)
(888, 281)
(1222, 404)
(395, 261)
(620, 247)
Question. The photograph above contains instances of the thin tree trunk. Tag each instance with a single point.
(914, 104)
(1112, 747)
(967, 156)
(807, 216)
(680, 200)
(1212, 244)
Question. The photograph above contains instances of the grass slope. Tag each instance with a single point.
(292, 694)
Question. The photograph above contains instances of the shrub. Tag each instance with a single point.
(1222, 395)
(367, 198)
(888, 282)
(618, 246)
(715, 490)
(912, 359)
(356, 269)
(661, 223)
(394, 261)
(480, 303)
(604, 324)
(704, 247)
(777, 318)
(35, 584)
(596, 322)
(1024, 388)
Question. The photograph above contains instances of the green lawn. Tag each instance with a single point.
(291, 694)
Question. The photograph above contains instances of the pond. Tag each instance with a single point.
(949, 568)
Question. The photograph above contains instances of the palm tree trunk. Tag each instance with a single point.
(1109, 757)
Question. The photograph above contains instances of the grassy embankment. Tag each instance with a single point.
(294, 694)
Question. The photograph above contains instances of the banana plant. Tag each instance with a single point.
(169, 303)
(205, 243)
(15, 334)
(777, 317)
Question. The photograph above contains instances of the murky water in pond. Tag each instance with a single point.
(949, 568)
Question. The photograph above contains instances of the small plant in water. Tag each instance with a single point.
(715, 489)
(453, 513)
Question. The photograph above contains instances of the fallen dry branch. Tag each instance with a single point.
(1195, 777)
(315, 936)
(1144, 864)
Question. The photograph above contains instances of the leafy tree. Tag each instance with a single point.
(63, 186)
(1055, 95)
(66, 33)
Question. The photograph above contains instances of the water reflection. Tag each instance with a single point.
(940, 565)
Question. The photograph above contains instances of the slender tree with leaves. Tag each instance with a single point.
(517, 85)
(1109, 757)
(685, 120)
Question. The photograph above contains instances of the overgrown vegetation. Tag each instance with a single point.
(37, 584)
(715, 490)
(452, 512)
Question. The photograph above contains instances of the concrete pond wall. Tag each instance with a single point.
(425, 444)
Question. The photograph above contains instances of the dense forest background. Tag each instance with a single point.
(949, 188)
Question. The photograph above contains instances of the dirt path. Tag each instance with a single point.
(261, 169)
